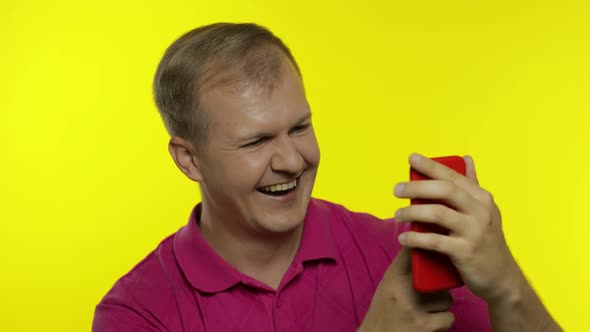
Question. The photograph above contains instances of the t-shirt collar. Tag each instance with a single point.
(208, 272)
(317, 241)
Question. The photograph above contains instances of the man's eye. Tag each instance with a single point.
(256, 142)
(299, 128)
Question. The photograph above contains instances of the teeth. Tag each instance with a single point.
(280, 187)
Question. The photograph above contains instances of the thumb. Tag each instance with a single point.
(470, 169)
(401, 263)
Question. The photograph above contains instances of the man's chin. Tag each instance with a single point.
(281, 223)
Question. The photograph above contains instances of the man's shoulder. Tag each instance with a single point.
(361, 230)
(361, 224)
(145, 292)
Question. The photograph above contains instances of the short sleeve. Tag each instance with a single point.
(118, 318)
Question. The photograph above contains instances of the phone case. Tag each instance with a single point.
(433, 271)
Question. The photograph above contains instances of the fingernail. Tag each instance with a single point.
(399, 189)
(398, 215)
(414, 158)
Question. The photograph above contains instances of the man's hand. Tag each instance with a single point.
(397, 307)
(475, 243)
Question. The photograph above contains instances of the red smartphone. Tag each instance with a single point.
(433, 271)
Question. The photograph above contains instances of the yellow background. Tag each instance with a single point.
(87, 187)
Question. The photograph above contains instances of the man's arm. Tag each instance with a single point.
(520, 309)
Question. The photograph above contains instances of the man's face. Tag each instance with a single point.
(260, 161)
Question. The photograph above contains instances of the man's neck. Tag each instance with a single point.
(263, 256)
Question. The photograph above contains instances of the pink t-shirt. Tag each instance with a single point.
(184, 285)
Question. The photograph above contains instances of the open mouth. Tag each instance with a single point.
(281, 189)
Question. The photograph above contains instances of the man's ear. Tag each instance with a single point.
(184, 154)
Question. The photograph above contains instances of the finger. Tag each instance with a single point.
(441, 321)
(446, 191)
(433, 169)
(435, 302)
(444, 244)
(437, 214)
(470, 169)
(436, 170)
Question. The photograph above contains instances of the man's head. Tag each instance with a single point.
(209, 56)
(232, 99)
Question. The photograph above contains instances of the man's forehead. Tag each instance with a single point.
(258, 72)
(268, 125)
(248, 119)
(243, 107)
(235, 100)
(235, 83)
(240, 94)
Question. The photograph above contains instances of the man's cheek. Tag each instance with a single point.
(310, 151)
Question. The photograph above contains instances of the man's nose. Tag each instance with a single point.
(286, 157)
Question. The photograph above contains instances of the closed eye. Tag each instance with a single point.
(299, 128)
(257, 142)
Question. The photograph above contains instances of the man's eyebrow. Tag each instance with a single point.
(304, 118)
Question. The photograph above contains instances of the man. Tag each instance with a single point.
(259, 254)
